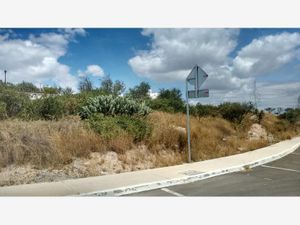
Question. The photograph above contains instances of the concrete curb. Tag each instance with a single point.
(187, 179)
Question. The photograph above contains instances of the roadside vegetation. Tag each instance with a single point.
(108, 129)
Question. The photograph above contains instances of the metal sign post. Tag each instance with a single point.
(196, 78)
(188, 123)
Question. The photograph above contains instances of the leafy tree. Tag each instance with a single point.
(292, 115)
(50, 90)
(85, 85)
(107, 86)
(269, 109)
(27, 87)
(67, 91)
(140, 92)
(168, 100)
(235, 111)
(118, 88)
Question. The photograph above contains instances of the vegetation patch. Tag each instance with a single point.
(111, 106)
(59, 128)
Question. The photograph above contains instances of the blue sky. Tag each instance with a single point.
(233, 58)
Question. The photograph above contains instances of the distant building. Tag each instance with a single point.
(34, 96)
(153, 95)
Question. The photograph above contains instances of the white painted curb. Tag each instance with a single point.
(187, 179)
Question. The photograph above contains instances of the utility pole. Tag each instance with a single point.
(5, 71)
(254, 93)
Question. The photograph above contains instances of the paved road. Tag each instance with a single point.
(278, 178)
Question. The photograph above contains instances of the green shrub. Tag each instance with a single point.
(15, 101)
(26, 87)
(161, 105)
(136, 127)
(71, 105)
(235, 111)
(168, 100)
(204, 110)
(112, 126)
(111, 106)
(292, 115)
(3, 114)
(106, 126)
(140, 92)
(50, 108)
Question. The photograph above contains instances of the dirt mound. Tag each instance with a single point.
(258, 132)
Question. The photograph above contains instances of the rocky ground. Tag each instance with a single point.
(97, 164)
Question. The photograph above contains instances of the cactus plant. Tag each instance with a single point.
(110, 106)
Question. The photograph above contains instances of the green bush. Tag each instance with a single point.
(111, 106)
(50, 108)
(71, 105)
(168, 100)
(161, 105)
(292, 115)
(136, 127)
(15, 102)
(112, 126)
(235, 111)
(3, 114)
(106, 126)
(204, 110)
(26, 87)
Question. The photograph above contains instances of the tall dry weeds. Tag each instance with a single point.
(211, 137)
(280, 129)
(56, 143)
(46, 143)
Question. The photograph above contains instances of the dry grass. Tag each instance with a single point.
(280, 129)
(57, 143)
(53, 143)
(211, 137)
(45, 143)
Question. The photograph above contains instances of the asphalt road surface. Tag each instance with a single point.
(278, 178)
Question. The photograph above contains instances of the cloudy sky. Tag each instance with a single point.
(233, 58)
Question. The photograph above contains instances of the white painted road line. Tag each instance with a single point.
(280, 168)
(172, 192)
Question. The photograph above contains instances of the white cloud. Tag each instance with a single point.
(266, 54)
(36, 59)
(175, 51)
(72, 32)
(93, 70)
(267, 95)
(278, 95)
